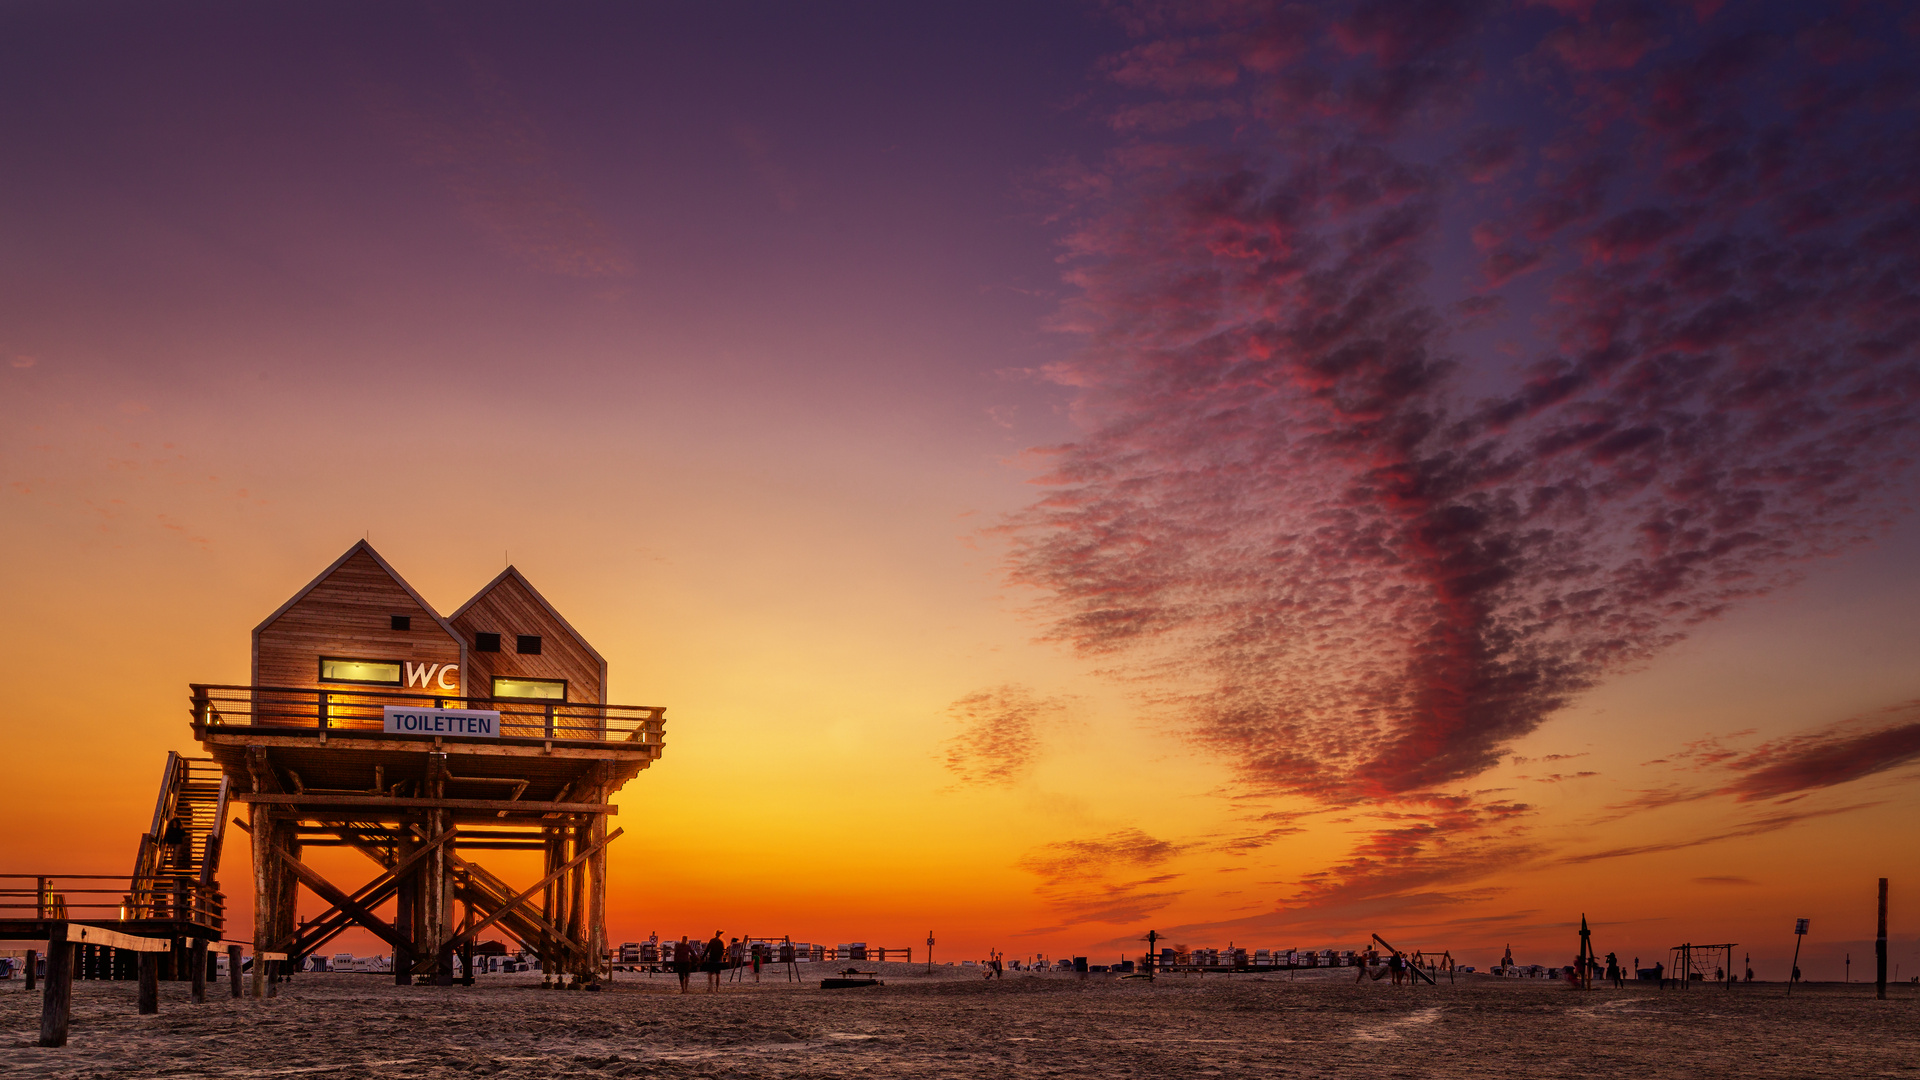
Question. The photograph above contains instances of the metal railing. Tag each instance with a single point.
(52, 897)
(356, 711)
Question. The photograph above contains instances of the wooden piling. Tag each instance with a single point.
(197, 957)
(597, 897)
(261, 834)
(233, 968)
(149, 983)
(1880, 948)
(56, 1002)
(577, 903)
(33, 969)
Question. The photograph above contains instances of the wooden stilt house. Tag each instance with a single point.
(372, 722)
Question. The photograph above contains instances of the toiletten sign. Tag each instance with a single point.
(470, 723)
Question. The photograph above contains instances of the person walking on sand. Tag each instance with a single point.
(1397, 967)
(683, 959)
(1361, 960)
(716, 959)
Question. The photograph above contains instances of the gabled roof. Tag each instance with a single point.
(359, 546)
(515, 574)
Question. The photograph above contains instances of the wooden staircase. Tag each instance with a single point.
(180, 853)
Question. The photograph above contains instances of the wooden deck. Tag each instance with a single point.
(324, 752)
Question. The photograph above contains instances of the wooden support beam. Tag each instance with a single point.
(364, 895)
(380, 802)
(474, 931)
(233, 968)
(149, 983)
(197, 957)
(260, 830)
(332, 894)
(81, 933)
(56, 1001)
(492, 890)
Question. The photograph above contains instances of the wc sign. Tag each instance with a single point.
(428, 676)
(471, 723)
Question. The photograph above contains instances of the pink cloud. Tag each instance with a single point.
(1364, 583)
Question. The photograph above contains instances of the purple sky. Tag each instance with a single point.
(1402, 381)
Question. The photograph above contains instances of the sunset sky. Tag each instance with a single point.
(1264, 473)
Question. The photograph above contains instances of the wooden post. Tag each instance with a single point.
(597, 897)
(264, 893)
(273, 975)
(550, 906)
(56, 1004)
(149, 983)
(197, 956)
(286, 909)
(403, 922)
(577, 903)
(233, 968)
(1880, 948)
(466, 962)
(33, 969)
(440, 931)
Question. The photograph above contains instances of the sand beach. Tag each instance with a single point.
(956, 1024)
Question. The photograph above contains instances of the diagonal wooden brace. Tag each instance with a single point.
(367, 892)
(483, 882)
(471, 932)
(359, 912)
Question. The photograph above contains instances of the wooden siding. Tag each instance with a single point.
(348, 614)
(510, 606)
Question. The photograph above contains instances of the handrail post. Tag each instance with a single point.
(321, 713)
(549, 719)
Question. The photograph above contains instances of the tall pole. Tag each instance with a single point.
(929, 952)
(1880, 948)
(1799, 935)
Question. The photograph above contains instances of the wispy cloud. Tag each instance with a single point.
(999, 734)
(1092, 880)
(1366, 580)
(1755, 827)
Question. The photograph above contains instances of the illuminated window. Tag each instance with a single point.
(376, 672)
(527, 645)
(401, 622)
(486, 643)
(535, 689)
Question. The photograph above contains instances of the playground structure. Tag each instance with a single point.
(1689, 963)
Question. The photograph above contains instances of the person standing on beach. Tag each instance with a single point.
(716, 959)
(683, 955)
(1613, 969)
(1360, 960)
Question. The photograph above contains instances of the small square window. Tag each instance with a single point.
(486, 643)
(401, 622)
(528, 644)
